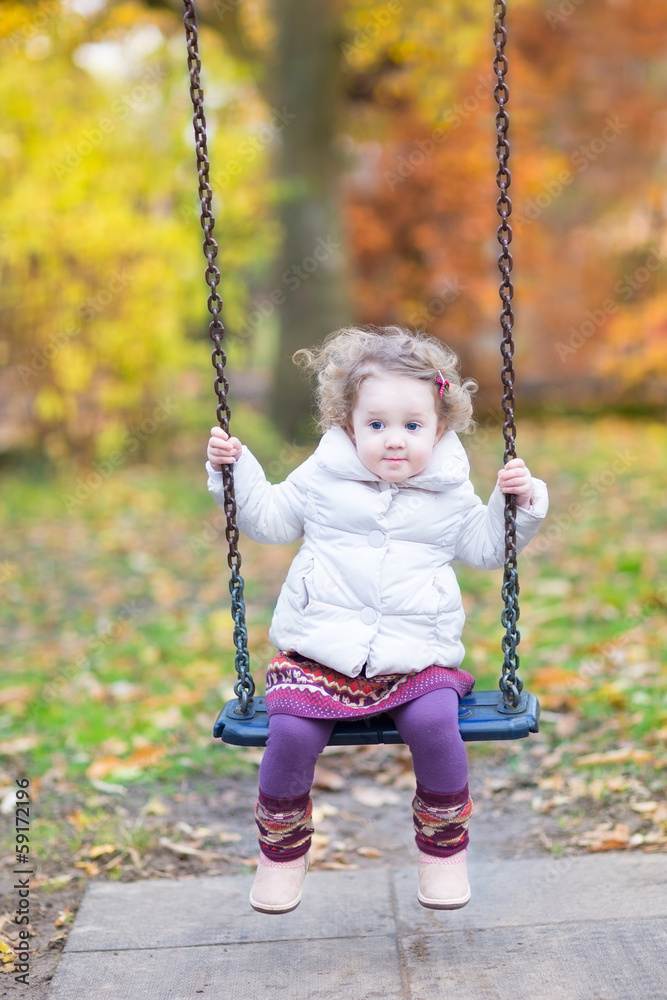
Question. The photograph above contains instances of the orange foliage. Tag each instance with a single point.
(587, 131)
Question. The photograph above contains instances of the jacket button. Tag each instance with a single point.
(376, 538)
(368, 616)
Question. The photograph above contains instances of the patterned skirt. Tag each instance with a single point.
(298, 686)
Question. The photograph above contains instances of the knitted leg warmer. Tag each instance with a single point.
(441, 821)
(285, 826)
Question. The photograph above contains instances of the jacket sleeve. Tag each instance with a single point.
(265, 512)
(481, 541)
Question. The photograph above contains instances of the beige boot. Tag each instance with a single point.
(277, 885)
(443, 882)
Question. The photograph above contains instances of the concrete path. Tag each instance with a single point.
(579, 928)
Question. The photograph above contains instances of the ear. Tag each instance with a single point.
(442, 427)
(350, 433)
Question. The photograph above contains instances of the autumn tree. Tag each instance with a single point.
(101, 291)
(587, 130)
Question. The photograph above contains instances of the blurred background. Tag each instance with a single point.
(352, 150)
(352, 166)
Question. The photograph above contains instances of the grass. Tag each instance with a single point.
(118, 636)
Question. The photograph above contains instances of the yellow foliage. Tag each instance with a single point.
(100, 248)
(49, 405)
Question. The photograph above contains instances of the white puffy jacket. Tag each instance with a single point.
(373, 583)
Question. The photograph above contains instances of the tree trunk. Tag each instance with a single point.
(310, 271)
(303, 84)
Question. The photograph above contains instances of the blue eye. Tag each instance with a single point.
(412, 425)
(376, 425)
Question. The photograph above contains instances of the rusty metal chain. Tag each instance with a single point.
(510, 683)
(245, 686)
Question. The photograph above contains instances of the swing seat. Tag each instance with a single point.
(482, 716)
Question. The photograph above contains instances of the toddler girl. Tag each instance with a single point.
(369, 618)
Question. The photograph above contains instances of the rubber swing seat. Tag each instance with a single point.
(481, 717)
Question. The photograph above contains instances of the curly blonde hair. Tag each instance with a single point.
(352, 354)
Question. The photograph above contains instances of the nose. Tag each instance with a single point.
(395, 439)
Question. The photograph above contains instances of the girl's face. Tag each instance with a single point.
(395, 425)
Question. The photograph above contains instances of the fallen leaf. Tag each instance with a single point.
(617, 783)
(187, 851)
(100, 850)
(89, 867)
(660, 815)
(323, 810)
(369, 852)
(6, 954)
(139, 759)
(202, 831)
(552, 783)
(373, 797)
(318, 845)
(79, 820)
(115, 862)
(405, 781)
(559, 702)
(606, 838)
(328, 779)
(19, 745)
(229, 838)
(64, 917)
(8, 801)
(552, 759)
(156, 807)
(623, 755)
(183, 850)
(103, 766)
(556, 678)
(644, 807)
(577, 787)
(145, 756)
(20, 693)
(185, 828)
(338, 866)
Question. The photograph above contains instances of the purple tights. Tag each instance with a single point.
(428, 725)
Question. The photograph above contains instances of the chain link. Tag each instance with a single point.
(245, 686)
(510, 684)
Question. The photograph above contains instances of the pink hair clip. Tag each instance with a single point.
(442, 382)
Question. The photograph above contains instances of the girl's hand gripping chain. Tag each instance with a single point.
(515, 478)
(222, 449)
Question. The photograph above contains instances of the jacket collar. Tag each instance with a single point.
(448, 466)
